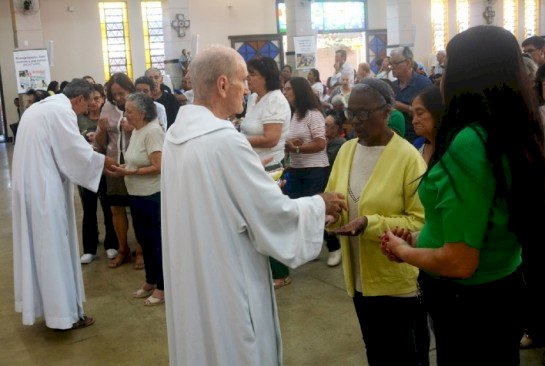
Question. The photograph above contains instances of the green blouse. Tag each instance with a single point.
(458, 197)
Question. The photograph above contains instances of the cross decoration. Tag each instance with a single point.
(180, 24)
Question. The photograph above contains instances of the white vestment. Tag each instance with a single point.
(50, 155)
(222, 216)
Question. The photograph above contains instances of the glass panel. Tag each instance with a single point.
(154, 46)
(462, 15)
(115, 38)
(510, 16)
(439, 21)
(531, 12)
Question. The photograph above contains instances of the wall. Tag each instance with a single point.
(6, 62)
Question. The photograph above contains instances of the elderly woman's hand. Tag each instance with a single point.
(127, 127)
(335, 203)
(121, 171)
(390, 245)
(353, 228)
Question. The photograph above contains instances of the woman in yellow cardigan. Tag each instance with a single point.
(378, 172)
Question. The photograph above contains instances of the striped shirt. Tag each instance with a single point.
(307, 129)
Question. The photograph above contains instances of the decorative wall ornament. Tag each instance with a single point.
(489, 12)
(26, 7)
(180, 24)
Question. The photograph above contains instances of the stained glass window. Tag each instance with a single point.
(439, 23)
(116, 48)
(154, 44)
(531, 18)
(510, 16)
(462, 15)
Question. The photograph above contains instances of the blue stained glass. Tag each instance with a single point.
(376, 44)
(247, 52)
(269, 49)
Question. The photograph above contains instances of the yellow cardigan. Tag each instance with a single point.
(389, 199)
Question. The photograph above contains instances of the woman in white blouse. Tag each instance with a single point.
(267, 112)
(266, 126)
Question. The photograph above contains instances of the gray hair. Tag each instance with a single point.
(78, 87)
(379, 89)
(209, 65)
(405, 52)
(531, 67)
(154, 69)
(338, 99)
(144, 104)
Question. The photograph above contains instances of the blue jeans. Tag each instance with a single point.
(146, 219)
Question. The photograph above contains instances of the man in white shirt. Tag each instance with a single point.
(49, 158)
(220, 228)
(341, 67)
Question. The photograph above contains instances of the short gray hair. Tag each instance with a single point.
(379, 89)
(338, 99)
(144, 104)
(210, 64)
(78, 87)
(153, 69)
(405, 52)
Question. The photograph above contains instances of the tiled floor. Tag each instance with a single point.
(319, 326)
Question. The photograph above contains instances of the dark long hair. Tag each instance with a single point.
(485, 84)
(268, 68)
(305, 99)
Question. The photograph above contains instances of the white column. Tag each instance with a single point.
(401, 31)
(174, 10)
(298, 23)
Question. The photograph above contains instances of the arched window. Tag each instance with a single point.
(511, 15)
(531, 18)
(439, 24)
(462, 15)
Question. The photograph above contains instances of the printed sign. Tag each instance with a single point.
(305, 52)
(32, 70)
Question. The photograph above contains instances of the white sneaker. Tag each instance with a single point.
(111, 253)
(87, 258)
(334, 258)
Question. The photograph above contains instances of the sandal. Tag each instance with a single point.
(139, 262)
(83, 322)
(281, 282)
(152, 301)
(119, 260)
(141, 293)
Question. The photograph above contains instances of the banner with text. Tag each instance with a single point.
(32, 70)
(305, 52)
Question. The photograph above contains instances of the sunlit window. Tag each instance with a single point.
(154, 44)
(116, 48)
(462, 15)
(439, 22)
(510, 15)
(531, 18)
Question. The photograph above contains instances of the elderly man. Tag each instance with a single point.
(49, 157)
(163, 97)
(407, 86)
(535, 47)
(222, 218)
(341, 67)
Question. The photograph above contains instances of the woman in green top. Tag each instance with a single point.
(487, 165)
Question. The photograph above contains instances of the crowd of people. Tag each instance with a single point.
(431, 197)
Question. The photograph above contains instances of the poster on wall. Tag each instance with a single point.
(305, 52)
(31, 69)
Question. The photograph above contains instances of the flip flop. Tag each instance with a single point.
(153, 301)
(281, 282)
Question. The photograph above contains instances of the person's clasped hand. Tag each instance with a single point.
(335, 203)
(392, 240)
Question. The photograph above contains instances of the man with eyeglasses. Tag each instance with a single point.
(407, 86)
(535, 47)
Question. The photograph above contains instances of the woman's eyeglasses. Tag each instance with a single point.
(361, 114)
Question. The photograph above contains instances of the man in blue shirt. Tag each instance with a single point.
(407, 86)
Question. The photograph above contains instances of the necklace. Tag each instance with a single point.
(351, 194)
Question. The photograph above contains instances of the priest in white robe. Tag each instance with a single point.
(222, 216)
(50, 156)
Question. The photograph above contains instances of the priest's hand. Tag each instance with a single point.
(335, 203)
(109, 165)
(353, 228)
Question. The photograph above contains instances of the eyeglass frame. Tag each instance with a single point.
(348, 111)
(392, 64)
